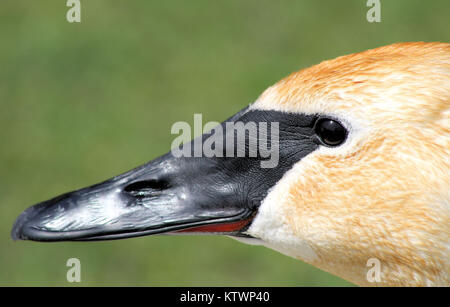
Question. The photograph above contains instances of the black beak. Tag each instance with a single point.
(175, 194)
(165, 195)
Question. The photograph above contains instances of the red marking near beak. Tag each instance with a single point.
(225, 227)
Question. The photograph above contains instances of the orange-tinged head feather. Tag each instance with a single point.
(385, 193)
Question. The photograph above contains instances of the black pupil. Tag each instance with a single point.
(330, 131)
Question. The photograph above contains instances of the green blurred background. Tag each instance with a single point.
(83, 102)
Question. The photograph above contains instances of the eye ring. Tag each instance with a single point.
(330, 132)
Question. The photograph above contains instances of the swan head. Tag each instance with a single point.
(361, 174)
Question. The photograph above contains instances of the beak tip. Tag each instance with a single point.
(21, 225)
(17, 229)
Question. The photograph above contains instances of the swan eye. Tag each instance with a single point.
(330, 132)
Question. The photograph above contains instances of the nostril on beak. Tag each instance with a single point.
(146, 187)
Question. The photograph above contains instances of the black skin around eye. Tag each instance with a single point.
(331, 132)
